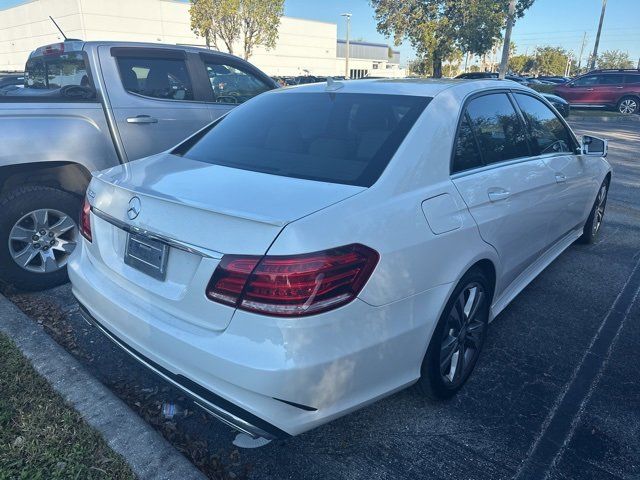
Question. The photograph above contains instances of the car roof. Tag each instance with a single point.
(423, 87)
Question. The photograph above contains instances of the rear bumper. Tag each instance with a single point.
(213, 404)
(266, 376)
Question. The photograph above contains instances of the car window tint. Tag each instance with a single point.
(233, 85)
(610, 79)
(65, 76)
(497, 128)
(632, 79)
(548, 133)
(586, 81)
(156, 77)
(339, 138)
(466, 154)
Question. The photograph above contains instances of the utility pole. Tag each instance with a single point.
(594, 56)
(347, 17)
(584, 41)
(568, 67)
(507, 40)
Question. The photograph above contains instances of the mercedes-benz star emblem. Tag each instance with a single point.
(134, 208)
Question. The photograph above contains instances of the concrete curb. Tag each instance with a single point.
(149, 455)
(596, 118)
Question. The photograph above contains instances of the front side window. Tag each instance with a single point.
(497, 128)
(338, 138)
(232, 85)
(587, 81)
(548, 133)
(162, 78)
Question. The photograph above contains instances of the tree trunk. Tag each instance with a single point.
(437, 67)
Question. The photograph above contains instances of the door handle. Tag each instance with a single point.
(142, 119)
(497, 194)
(561, 178)
(589, 89)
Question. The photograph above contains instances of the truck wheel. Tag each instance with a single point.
(38, 232)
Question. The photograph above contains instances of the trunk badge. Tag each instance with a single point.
(134, 208)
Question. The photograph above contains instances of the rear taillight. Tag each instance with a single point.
(294, 285)
(85, 220)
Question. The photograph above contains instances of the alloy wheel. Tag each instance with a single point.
(463, 335)
(42, 240)
(601, 202)
(628, 106)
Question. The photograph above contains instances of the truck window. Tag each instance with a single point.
(233, 85)
(164, 78)
(56, 76)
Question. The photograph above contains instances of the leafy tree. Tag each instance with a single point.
(614, 59)
(519, 63)
(551, 60)
(227, 22)
(436, 28)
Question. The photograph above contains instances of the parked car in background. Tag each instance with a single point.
(321, 247)
(11, 82)
(559, 103)
(553, 78)
(87, 106)
(487, 75)
(619, 89)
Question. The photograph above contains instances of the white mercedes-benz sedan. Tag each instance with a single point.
(323, 246)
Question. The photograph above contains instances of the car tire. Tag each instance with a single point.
(628, 105)
(38, 229)
(596, 216)
(440, 378)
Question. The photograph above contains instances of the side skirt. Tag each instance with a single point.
(526, 277)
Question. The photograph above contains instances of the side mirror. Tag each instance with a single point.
(594, 146)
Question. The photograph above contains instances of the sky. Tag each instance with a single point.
(547, 22)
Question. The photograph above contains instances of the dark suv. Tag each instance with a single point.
(618, 89)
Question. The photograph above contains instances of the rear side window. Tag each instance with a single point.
(339, 138)
(233, 85)
(497, 128)
(56, 76)
(610, 79)
(466, 154)
(632, 79)
(164, 78)
(548, 133)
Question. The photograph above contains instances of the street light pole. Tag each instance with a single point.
(594, 56)
(347, 17)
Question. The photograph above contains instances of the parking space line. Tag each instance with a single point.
(561, 422)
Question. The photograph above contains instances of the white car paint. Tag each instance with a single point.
(428, 227)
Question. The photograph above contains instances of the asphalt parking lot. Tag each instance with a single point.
(556, 393)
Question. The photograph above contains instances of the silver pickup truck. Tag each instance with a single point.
(86, 106)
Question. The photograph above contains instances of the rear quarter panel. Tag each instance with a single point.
(389, 218)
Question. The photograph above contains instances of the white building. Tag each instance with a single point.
(303, 46)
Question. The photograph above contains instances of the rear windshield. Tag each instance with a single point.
(338, 138)
(57, 76)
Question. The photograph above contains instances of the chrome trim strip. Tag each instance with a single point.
(187, 247)
(214, 410)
